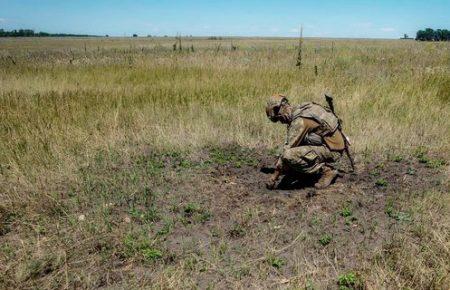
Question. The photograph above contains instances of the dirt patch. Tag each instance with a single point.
(356, 214)
(206, 220)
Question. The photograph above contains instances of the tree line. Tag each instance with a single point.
(430, 34)
(30, 33)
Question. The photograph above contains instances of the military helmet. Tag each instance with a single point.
(273, 106)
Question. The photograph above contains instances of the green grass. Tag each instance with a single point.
(325, 239)
(137, 139)
(381, 182)
(349, 281)
(276, 262)
(346, 211)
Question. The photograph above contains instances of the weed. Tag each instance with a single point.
(397, 215)
(374, 172)
(215, 232)
(242, 272)
(389, 209)
(348, 281)
(203, 216)
(138, 244)
(346, 211)
(420, 152)
(316, 220)
(237, 230)
(190, 209)
(194, 212)
(146, 216)
(410, 171)
(151, 254)
(275, 262)
(235, 156)
(167, 227)
(403, 216)
(381, 182)
(435, 163)
(309, 285)
(325, 239)
(397, 158)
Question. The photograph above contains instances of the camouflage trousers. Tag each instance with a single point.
(308, 159)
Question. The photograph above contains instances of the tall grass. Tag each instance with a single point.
(55, 113)
(74, 112)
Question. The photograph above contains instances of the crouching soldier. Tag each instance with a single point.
(313, 142)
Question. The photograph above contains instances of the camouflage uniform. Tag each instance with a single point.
(311, 154)
(313, 140)
(305, 150)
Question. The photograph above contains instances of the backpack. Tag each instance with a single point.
(328, 122)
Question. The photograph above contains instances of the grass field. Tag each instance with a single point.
(125, 164)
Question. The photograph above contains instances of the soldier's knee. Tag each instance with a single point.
(297, 156)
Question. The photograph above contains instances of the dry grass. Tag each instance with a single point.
(65, 111)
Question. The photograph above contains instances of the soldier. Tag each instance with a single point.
(313, 143)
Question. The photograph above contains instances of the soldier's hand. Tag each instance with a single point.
(270, 184)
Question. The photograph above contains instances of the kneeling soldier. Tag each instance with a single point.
(313, 143)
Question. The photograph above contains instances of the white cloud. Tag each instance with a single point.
(387, 29)
(295, 30)
(2, 20)
(274, 29)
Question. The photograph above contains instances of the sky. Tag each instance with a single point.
(326, 18)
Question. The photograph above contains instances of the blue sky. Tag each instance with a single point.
(328, 18)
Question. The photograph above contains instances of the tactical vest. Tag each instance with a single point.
(328, 122)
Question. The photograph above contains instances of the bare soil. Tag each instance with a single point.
(207, 220)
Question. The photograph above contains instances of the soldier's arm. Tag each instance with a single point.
(295, 134)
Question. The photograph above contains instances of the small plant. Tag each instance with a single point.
(346, 212)
(389, 209)
(237, 231)
(403, 216)
(348, 281)
(397, 158)
(410, 171)
(138, 244)
(165, 229)
(435, 163)
(203, 216)
(309, 285)
(374, 172)
(190, 209)
(235, 156)
(381, 182)
(325, 239)
(150, 215)
(194, 212)
(151, 254)
(397, 215)
(276, 262)
(420, 152)
(242, 272)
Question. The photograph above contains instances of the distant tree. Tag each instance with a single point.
(30, 32)
(433, 35)
(429, 34)
(135, 35)
(442, 35)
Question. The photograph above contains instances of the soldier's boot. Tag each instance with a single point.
(328, 175)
